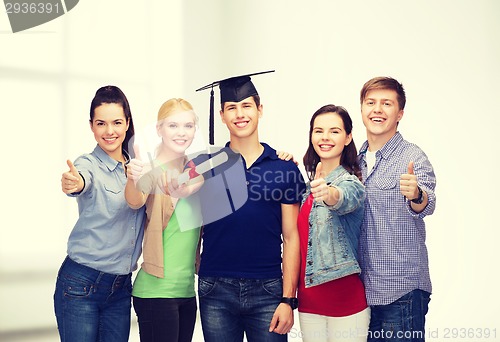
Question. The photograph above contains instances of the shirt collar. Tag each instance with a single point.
(388, 147)
(110, 163)
(269, 152)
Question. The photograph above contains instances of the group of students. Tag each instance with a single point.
(347, 248)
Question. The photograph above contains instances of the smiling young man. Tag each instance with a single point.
(250, 256)
(400, 185)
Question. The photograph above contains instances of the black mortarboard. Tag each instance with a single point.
(233, 89)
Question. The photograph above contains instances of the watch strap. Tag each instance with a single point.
(293, 302)
(420, 197)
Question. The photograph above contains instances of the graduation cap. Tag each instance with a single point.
(233, 89)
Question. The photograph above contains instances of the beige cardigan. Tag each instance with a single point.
(159, 209)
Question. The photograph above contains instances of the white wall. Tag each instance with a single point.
(445, 53)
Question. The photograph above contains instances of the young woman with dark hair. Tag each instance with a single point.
(332, 303)
(92, 299)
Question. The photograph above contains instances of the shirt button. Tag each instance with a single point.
(248, 182)
(309, 262)
(310, 243)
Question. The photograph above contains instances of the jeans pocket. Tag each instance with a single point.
(274, 287)
(205, 286)
(75, 288)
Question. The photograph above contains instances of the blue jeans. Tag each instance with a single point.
(165, 319)
(402, 320)
(231, 307)
(91, 305)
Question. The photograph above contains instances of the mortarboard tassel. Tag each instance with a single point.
(211, 118)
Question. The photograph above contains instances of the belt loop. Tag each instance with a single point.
(120, 280)
(98, 280)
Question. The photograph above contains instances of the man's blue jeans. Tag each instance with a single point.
(231, 307)
(402, 320)
(91, 305)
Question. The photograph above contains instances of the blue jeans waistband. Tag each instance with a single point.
(115, 280)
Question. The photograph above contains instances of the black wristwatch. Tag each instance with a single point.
(420, 197)
(293, 302)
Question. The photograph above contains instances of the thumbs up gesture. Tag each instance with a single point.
(319, 189)
(408, 184)
(71, 180)
(136, 168)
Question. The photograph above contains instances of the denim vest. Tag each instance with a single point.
(334, 231)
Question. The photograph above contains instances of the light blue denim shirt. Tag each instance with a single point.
(108, 234)
(334, 231)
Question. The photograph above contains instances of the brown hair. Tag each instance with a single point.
(348, 158)
(384, 83)
(113, 94)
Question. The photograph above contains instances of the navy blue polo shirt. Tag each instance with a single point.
(242, 214)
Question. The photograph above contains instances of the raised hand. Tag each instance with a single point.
(71, 181)
(136, 168)
(319, 188)
(408, 184)
(168, 182)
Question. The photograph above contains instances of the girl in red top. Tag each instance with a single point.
(332, 303)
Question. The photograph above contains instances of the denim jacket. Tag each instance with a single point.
(334, 231)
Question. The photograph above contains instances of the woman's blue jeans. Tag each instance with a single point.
(91, 305)
(230, 308)
(402, 320)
